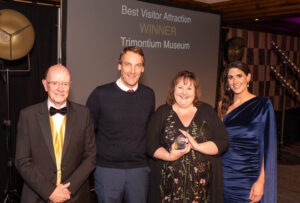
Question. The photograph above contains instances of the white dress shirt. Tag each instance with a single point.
(57, 118)
(125, 88)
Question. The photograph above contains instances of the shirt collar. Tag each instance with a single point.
(50, 103)
(125, 88)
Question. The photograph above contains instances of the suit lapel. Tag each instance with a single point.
(70, 124)
(45, 127)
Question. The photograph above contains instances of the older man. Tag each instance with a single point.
(56, 149)
(120, 111)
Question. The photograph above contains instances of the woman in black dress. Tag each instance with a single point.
(191, 174)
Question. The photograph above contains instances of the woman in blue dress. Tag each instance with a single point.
(249, 164)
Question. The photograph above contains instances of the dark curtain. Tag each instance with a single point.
(222, 56)
(25, 88)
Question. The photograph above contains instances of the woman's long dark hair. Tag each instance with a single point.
(227, 99)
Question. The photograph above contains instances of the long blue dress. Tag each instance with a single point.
(251, 128)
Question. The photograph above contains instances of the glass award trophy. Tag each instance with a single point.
(180, 142)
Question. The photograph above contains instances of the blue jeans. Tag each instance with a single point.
(112, 184)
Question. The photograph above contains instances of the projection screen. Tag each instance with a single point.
(173, 39)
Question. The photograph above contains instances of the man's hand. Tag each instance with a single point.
(60, 194)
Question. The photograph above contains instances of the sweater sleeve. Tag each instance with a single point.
(220, 137)
(154, 129)
(93, 105)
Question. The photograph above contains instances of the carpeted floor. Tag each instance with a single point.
(288, 170)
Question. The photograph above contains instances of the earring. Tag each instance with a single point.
(228, 88)
(248, 84)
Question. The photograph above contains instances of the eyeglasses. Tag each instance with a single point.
(56, 84)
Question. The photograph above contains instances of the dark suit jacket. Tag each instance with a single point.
(35, 159)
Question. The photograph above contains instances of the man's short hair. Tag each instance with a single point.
(134, 49)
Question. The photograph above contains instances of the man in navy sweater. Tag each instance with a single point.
(120, 111)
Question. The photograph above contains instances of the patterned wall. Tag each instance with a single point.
(259, 55)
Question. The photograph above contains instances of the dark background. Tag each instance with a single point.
(25, 88)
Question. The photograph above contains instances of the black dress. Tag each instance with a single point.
(187, 179)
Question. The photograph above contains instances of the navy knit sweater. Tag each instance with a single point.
(120, 120)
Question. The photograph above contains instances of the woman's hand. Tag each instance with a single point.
(194, 144)
(257, 191)
(175, 154)
(208, 147)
